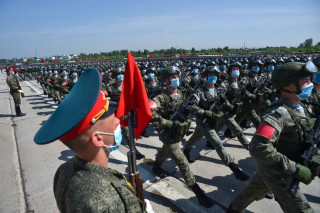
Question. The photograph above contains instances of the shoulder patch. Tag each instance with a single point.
(265, 130)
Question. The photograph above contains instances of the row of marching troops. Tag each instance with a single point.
(216, 93)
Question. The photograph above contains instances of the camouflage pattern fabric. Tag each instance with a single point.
(277, 152)
(81, 186)
(14, 91)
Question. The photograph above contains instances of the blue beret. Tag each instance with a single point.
(78, 111)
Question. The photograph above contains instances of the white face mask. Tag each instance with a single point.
(117, 138)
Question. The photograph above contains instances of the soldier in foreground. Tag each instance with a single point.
(14, 90)
(85, 183)
(279, 142)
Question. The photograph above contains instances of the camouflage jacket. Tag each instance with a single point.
(113, 92)
(279, 141)
(12, 83)
(81, 186)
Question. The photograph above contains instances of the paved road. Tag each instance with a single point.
(27, 169)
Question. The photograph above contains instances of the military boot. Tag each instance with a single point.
(228, 133)
(203, 199)
(145, 134)
(240, 175)
(158, 171)
(139, 156)
(244, 124)
(187, 154)
(18, 111)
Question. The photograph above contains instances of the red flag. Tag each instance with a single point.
(42, 60)
(14, 68)
(134, 96)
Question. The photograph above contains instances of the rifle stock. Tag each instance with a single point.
(134, 175)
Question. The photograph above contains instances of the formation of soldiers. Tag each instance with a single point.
(215, 92)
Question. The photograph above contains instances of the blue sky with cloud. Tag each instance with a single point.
(63, 27)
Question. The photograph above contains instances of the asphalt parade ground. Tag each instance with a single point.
(27, 169)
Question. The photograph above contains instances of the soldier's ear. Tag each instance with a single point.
(96, 139)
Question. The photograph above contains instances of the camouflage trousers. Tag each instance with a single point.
(230, 122)
(279, 185)
(16, 97)
(213, 138)
(248, 112)
(56, 95)
(172, 149)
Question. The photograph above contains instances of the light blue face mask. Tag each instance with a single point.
(212, 79)
(120, 77)
(245, 66)
(154, 84)
(151, 76)
(255, 69)
(195, 71)
(13, 73)
(223, 67)
(174, 82)
(235, 73)
(117, 138)
(55, 72)
(270, 68)
(306, 92)
(196, 76)
(143, 72)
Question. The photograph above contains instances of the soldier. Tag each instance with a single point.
(65, 83)
(233, 104)
(279, 142)
(56, 86)
(85, 183)
(251, 100)
(313, 102)
(14, 90)
(175, 131)
(206, 121)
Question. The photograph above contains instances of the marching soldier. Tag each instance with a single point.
(207, 120)
(279, 142)
(251, 100)
(171, 132)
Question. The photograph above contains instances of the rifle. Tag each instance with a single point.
(19, 87)
(178, 113)
(313, 139)
(238, 95)
(221, 93)
(134, 175)
(259, 86)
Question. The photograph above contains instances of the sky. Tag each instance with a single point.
(42, 28)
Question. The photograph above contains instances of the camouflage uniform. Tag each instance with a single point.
(204, 101)
(231, 109)
(276, 159)
(165, 102)
(56, 86)
(14, 89)
(248, 109)
(81, 186)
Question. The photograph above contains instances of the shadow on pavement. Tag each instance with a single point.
(66, 155)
